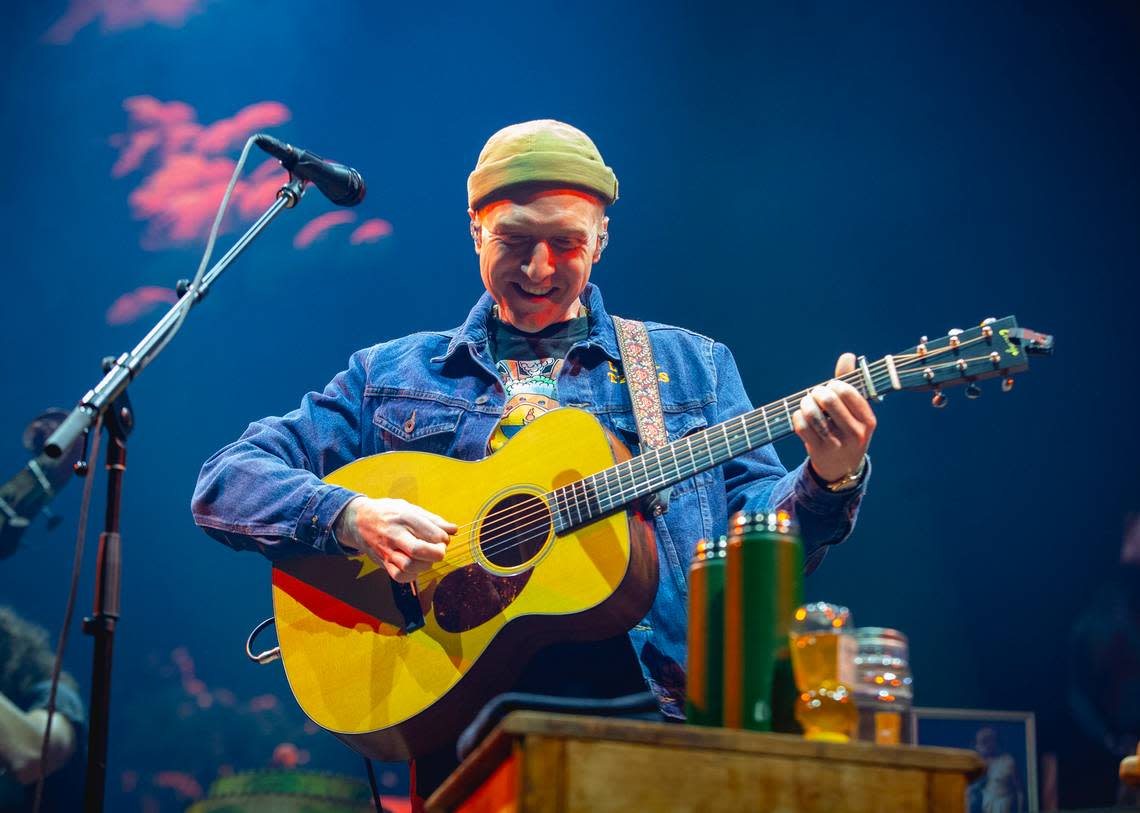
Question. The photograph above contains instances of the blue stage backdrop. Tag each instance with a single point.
(797, 180)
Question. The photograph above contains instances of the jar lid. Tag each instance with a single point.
(883, 635)
(747, 522)
(821, 616)
(711, 549)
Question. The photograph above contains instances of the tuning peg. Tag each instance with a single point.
(1006, 384)
(954, 333)
(939, 400)
(973, 391)
(989, 320)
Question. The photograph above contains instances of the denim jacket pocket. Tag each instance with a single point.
(684, 422)
(417, 424)
(677, 424)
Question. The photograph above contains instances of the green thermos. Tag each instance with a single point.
(704, 701)
(763, 588)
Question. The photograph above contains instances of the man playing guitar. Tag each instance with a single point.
(540, 338)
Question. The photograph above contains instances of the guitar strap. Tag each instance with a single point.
(640, 371)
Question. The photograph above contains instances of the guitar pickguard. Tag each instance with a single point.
(471, 596)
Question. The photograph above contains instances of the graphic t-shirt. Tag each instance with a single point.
(528, 365)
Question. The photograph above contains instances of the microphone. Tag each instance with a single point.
(340, 184)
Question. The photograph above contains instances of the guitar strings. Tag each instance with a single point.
(641, 457)
(756, 416)
(532, 514)
(723, 443)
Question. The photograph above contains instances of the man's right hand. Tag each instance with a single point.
(402, 538)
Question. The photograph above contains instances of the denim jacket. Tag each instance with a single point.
(438, 392)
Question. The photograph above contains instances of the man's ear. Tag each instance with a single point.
(603, 239)
(476, 230)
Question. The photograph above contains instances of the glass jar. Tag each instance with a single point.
(883, 685)
(823, 657)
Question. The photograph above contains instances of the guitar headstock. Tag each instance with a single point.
(996, 347)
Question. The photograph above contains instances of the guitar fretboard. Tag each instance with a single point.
(614, 488)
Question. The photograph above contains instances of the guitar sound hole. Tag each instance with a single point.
(514, 530)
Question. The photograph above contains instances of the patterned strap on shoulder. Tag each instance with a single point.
(641, 378)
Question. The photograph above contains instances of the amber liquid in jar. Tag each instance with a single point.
(823, 664)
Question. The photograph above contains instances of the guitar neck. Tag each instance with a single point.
(585, 500)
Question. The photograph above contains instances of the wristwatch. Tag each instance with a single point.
(848, 481)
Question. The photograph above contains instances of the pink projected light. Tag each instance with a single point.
(320, 225)
(370, 231)
(188, 165)
(133, 304)
(117, 15)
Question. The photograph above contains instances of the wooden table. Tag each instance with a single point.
(556, 763)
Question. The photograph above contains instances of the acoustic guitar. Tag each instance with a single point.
(552, 545)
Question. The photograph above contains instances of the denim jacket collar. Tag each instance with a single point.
(473, 331)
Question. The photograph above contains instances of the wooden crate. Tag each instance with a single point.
(555, 763)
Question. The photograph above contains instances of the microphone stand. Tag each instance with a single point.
(109, 398)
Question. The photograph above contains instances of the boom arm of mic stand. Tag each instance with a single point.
(130, 364)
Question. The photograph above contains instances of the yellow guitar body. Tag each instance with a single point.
(355, 659)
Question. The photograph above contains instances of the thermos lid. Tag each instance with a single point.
(711, 549)
(747, 522)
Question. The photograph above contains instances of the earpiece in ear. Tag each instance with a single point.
(475, 231)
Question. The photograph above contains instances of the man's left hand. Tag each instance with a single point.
(835, 423)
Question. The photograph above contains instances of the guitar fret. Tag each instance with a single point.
(604, 491)
(594, 505)
(584, 508)
(661, 478)
(630, 483)
(564, 500)
(646, 477)
(648, 471)
(566, 506)
(560, 520)
(618, 470)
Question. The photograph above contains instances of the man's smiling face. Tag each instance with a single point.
(536, 250)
